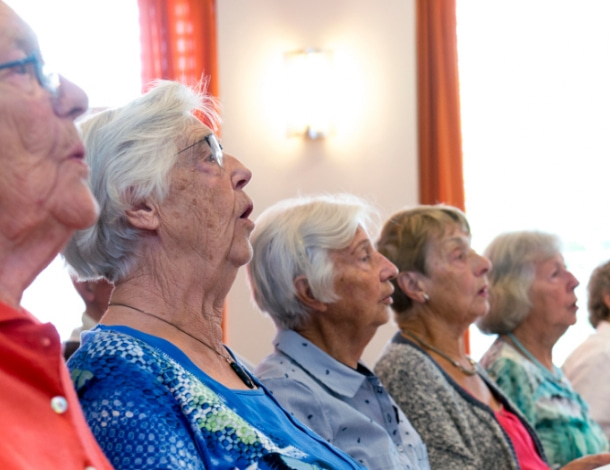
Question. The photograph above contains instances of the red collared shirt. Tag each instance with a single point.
(42, 425)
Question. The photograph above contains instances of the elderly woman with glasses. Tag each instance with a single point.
(158, 386)
(316, 273)
(43, 198)
(532, 304)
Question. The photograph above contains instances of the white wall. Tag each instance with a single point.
(373, 152)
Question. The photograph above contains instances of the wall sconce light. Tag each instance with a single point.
(309, 92)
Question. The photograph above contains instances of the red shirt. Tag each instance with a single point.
(42, 425)
(527, 456)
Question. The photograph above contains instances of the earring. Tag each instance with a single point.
(426, 297)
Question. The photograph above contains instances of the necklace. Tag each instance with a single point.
(557, 376)
(468, 372)
(239, 370)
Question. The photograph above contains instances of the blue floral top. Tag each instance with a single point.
(559, 415)
(150, 407)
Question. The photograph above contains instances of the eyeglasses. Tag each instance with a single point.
(34, 66)
(215, 148)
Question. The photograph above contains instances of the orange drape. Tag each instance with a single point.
(441, 178)
(179, 41)
(440, 136)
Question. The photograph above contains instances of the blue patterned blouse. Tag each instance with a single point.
(150, 407)
(558, 414)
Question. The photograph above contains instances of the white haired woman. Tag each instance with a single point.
(532, 304)
(159, 388)
(316, 273)
(464, 419)
(587, 367)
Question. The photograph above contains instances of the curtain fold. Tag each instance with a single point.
(179, 41)
(441, 177)
(439, 125)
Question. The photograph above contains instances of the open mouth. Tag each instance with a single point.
(247, 212)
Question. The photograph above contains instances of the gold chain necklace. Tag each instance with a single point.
(239, 370)
(468, 372)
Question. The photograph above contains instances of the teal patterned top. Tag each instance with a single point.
(559, 415)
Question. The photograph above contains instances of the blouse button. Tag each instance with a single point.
(45, 342)
(59, 404)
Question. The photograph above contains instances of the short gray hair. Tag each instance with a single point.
(131, 151)
(514, 256)
(599, 284)
(293, 238)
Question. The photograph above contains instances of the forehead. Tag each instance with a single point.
(15, 34)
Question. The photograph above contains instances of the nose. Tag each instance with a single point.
(388, 270)
(71, 101)
(572, 281)
(240, 175)
(483, 266)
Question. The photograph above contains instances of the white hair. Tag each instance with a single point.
(130, 151)
(293, 238)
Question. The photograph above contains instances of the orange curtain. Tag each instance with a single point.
(441, 177)
(440, 136)
(179, 41)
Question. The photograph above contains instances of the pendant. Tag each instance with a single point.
(241, 373)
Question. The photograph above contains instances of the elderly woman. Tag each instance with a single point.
(158, 387)
(532, 304)
(43, 199)
(587, 367)
(465, 420)
(315, 272)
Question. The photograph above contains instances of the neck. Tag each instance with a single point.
(22, 260)
(338, 341)
(537, 345)
(446, 338)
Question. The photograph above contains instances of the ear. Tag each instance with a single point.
(84, 290)
(304, 294)
(144, 216)
(410, 283)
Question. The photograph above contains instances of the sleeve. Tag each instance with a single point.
(418, 389)
(591, 379)
(137, 423)
(304, 404)
(517, 384)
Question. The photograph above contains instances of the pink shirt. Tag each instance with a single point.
(522, 442)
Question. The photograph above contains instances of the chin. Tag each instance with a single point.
(82, 216)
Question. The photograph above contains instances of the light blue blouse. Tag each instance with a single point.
(349, 408)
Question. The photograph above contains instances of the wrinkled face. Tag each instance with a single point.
(43, 178)
(552, 293)
(362, 281)
(207, 210)
(457, 278)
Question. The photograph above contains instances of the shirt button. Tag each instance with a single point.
(400, 448)
(59, 404)
(45, 342)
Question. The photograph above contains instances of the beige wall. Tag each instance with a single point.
(373, 152)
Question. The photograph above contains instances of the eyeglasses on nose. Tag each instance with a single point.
(33, 65)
